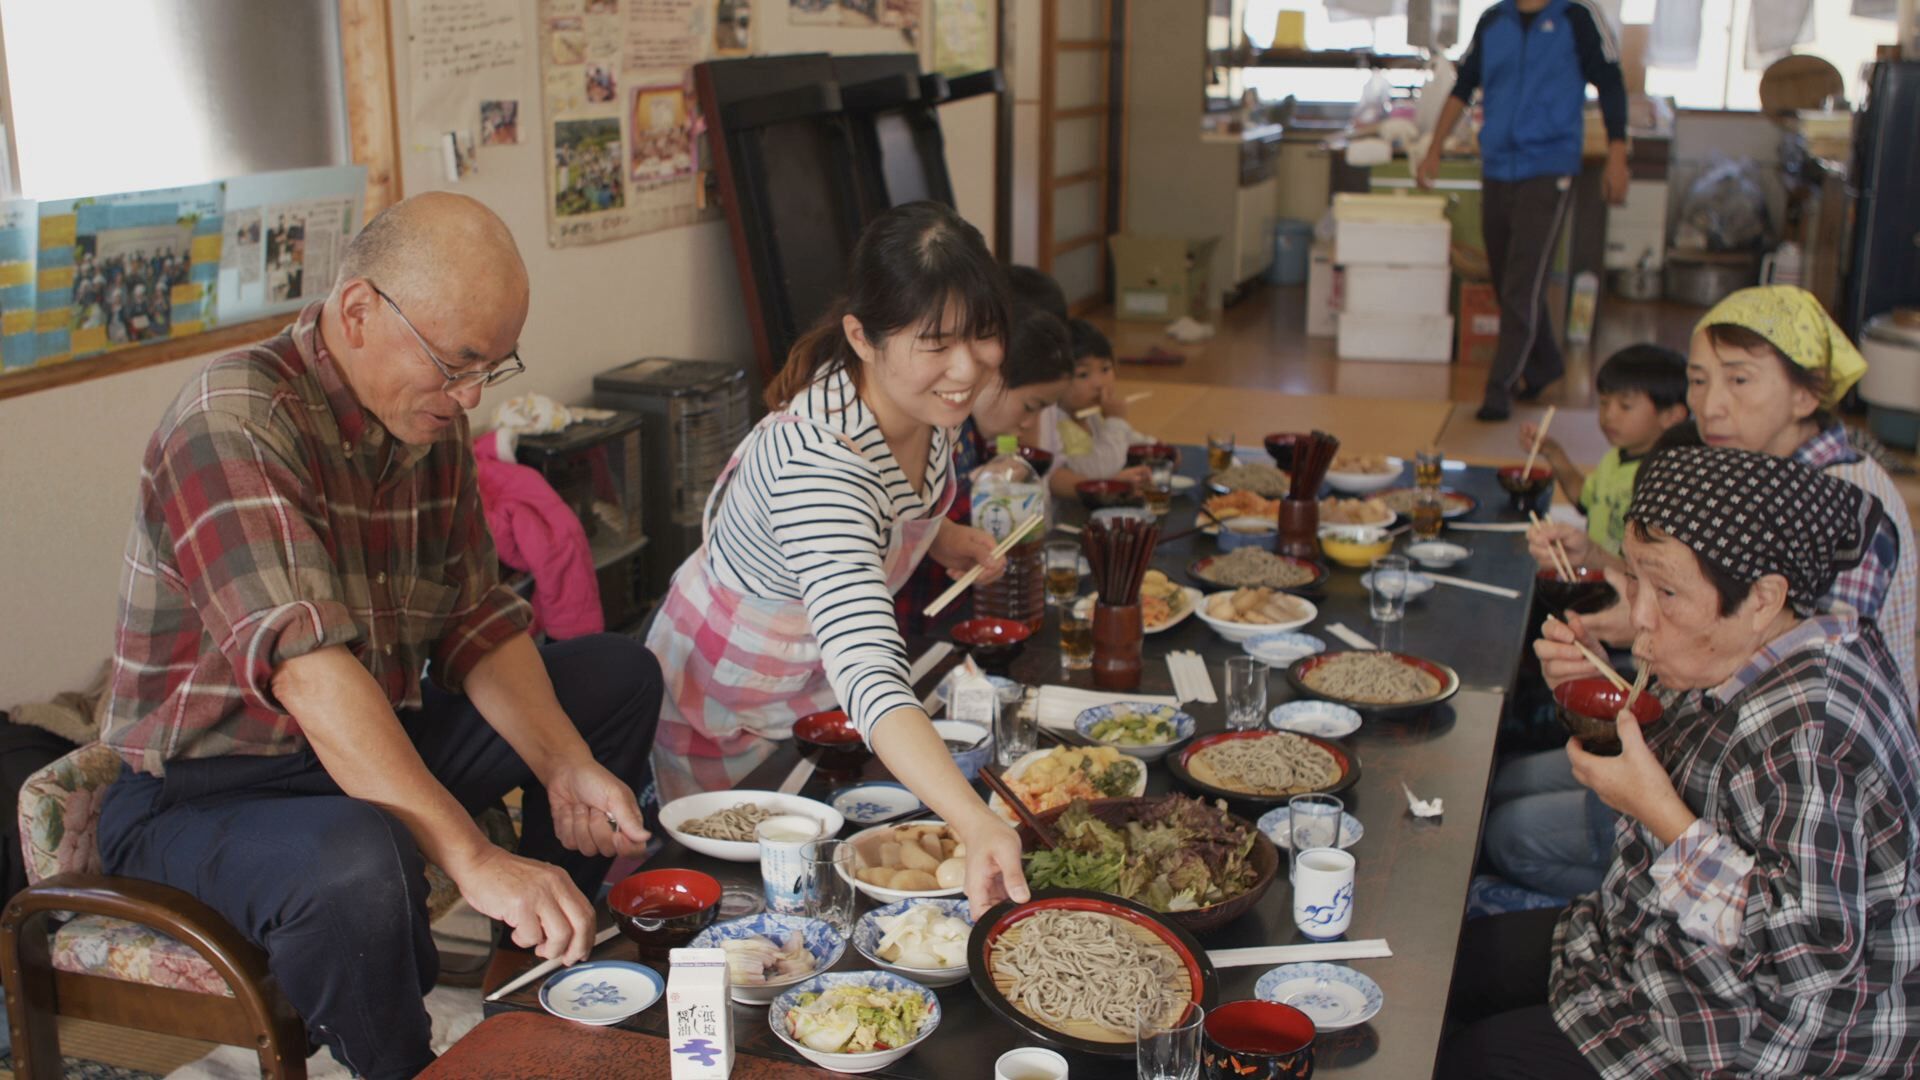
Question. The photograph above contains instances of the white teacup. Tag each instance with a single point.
(1030, 1063)
(1323, 892)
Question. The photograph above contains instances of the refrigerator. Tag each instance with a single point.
(1884, 271)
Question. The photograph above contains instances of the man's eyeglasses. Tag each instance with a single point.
(498, 373)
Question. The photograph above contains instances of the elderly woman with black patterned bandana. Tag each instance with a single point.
(1761, 914)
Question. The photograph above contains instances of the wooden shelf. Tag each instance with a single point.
(1309, 58)
(66, 372)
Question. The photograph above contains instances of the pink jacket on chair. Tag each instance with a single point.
(537, 532)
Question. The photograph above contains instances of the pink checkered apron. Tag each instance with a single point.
(741, 669)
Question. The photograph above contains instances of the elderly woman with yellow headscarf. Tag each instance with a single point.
(1765, 370)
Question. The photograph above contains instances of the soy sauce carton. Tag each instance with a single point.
(699, 1021)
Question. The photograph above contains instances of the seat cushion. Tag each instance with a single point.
(117, 949)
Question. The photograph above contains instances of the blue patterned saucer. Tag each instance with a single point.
(601, 992)
(1334, 996)
(875, 800)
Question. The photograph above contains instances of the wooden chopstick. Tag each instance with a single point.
(1094, 410)
(1538, 438)
(1562, 562)
(1019, 531)
(1606, 669)
(1020, 809)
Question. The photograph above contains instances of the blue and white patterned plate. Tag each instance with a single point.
(864, 804)
(1327, 719)
(1334, 996)
(822, 940)
(601, 992)
(1182, 727)
(1274, 825)
(853, 1063)
(867, 935)
(1283, 648)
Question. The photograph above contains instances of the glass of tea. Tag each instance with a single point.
(1426, 467)
(1429, 512)
(1063, 571)
(1159, 489)
(1076, 637)
(1219, 451)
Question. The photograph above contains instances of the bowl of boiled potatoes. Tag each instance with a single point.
(904, 862)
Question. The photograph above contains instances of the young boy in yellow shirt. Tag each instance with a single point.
(1643, 392)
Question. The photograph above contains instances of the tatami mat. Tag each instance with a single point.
(1366, 426)
(1480, 443)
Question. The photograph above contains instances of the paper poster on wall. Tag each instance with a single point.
(120, 270)
(499, 123)
(19, 240)
(962, 36)
(617, 114)
(901, 15)
(284, 235)
(459, 51)
(732, 27)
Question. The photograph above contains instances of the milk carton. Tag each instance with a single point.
(699, 1023)
(970, 696)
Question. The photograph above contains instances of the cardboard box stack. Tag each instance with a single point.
(1395, 277)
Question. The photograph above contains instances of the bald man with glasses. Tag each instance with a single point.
(318, 676)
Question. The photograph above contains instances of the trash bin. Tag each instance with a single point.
(1292, 247)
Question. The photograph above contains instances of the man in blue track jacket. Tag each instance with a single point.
(1532, 60)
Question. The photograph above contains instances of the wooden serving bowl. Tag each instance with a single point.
(1265, 859)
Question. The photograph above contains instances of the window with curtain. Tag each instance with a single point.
(125, 95)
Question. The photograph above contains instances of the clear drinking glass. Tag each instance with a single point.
(1063, 571)
(1076, 637)
(1388, 593)
(1219, 451)
(1246, 692)
(1427, 465)
(1015, 730)
(1159, 490)
(1167, 1041)
(829, 883)
(1313, 821)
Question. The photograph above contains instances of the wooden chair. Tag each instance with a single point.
(135, 953)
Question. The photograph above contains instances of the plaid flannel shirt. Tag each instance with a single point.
(277, 517)
(1782, 937)
(1885, 587)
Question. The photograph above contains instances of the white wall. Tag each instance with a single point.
(69, 457)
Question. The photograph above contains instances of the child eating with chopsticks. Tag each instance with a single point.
(1643, 392)
(1088, 432)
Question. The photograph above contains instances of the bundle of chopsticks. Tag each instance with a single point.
(1562, 564)
(1191, 679)
(1312, 457)
(1119, 552)
(1607, 672)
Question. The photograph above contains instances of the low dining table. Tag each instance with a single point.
(1412, 872)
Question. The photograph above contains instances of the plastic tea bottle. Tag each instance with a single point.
(1006, 492)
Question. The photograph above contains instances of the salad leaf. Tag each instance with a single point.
(1177, 854)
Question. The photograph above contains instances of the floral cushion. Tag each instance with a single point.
(116, 949)
(59, 826)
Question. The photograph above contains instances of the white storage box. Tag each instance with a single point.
(1395, 290)
(1415, 338)
(1320, 292)
(1392, 243)
(1402, 206)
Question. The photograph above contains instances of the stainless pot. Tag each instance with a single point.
(1636, 283)
(1705, 282)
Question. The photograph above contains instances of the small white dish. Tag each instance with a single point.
(1354, 483)
(864, 804)
(1274, 825)
(867, 936)
(1418, 584)
(1183, 483)
(1333, 996)
(1327, 719)
(601, 992)
(1283, 648)
(1437, 554)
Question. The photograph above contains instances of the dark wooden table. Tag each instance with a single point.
(1412, 876)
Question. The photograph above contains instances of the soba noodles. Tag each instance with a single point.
(1250, 566)
(1371, 677)
(1255, 477)
(1276, 764)
(735, 823)
(1080, 967)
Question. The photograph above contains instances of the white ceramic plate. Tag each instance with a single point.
(1327, 719)
(1240, 632)
(682, 810)
(867, 935)
(1281, 649)
(601, 992)
(1019, 768)
(1274, 826)
(870, 802)
(1418, 584)
(1334, 996)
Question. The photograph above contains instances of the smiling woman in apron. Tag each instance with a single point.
(824, 512)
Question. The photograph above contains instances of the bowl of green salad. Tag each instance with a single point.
(1135, 728)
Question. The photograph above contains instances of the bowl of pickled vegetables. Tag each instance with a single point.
(855, 1021)
(1135, 728)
